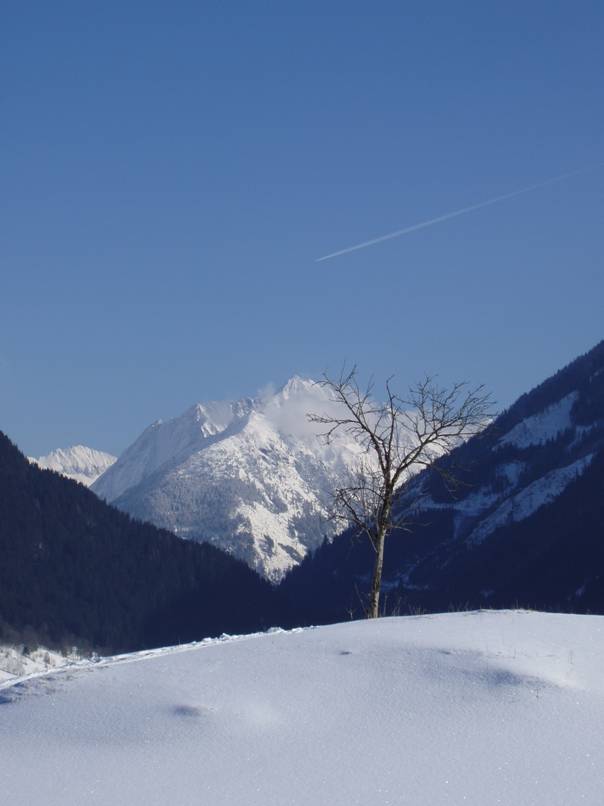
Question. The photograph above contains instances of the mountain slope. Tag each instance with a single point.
(466, 708)
(76, 571)
(78, 463)
(523, 526)
(251, 476)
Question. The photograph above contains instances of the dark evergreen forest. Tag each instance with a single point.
(76, 571)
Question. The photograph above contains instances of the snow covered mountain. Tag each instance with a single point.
(476, 709)
(251, 476)
(523, 526)
(78, 462)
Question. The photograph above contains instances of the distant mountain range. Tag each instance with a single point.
(250, 476)
(525, 525)
(78, 463)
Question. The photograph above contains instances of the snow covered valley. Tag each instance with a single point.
(480, 708)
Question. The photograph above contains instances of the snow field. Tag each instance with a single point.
(468, 708)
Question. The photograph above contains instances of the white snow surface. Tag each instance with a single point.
(78, 462)
(18, 661)
(251, 476)
(477, 708)
(540, 427)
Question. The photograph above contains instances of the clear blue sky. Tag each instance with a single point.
(169, 172)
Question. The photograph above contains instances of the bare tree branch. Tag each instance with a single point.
(395, 438)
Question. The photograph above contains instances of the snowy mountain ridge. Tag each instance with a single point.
(521, 471)
(78, 462)
(522, 525)
(514, 493)
(251, 476)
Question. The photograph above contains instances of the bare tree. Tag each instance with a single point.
(396, 438)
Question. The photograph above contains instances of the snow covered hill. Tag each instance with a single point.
(78, 462)
(478, 709)
(251, 476)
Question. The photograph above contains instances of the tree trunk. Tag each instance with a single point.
(376, 581)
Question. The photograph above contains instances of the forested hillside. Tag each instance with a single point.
(77, 571)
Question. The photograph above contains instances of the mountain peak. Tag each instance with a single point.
(77, 462)
(297, 384)
(251, 476)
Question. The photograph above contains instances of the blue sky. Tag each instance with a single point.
(170, 172)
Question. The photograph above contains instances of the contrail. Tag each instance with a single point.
(423, 224)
